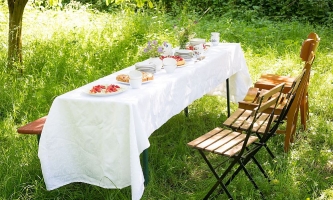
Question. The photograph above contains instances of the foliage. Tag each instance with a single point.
(82, 46)
(184, 30)
(185, 25)
(319, 11)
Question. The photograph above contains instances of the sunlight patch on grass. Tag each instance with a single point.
(64, 50)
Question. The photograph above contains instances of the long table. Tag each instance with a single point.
(98, 140)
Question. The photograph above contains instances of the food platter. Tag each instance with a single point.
(101, 90)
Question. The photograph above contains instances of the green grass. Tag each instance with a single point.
(66, 49)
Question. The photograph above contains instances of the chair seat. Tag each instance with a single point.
(268, 81)
(241, 120)
(221, 141)
(249, 101)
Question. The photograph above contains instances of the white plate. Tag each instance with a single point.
(183, 51)
(87, 89)
(127, 83)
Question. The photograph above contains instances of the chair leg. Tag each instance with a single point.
(304, 111)
(260, 168)
(293, 131)
(292, 118)
(251, 179)
(266, 147)
(269, 151)
(219, 179)
(245, 161)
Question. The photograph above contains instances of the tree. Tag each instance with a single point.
(16, 8)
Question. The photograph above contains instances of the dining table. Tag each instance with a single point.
(98, 139)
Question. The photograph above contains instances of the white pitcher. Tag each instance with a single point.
(215, 38)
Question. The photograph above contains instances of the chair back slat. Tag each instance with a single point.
(269, 98)
(308, 45)
(316, 38)
(293, 102)
(296, 83)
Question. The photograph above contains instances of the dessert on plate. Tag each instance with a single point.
(104, 89)
(125, 77)
(179, 59)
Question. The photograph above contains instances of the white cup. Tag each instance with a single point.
(215, 38)
(169, 61)
(198, 50)
(135, 74)
(170, 68)
(135, 83)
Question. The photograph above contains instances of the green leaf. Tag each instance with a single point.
(140, 4)
(150, 4)
(54, 2)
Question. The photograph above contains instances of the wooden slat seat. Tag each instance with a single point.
(221, 141)
(268, 81)
(241, 120)
(34, 127)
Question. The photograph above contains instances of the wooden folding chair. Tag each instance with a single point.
(296, 90)
(240, 146)
(267, 81)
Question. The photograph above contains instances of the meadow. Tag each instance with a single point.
(65, 49)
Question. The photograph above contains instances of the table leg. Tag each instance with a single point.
(228, 97)
(186, 111)
(145, 166)
(38, 138)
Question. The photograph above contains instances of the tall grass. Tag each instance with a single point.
(65, 49)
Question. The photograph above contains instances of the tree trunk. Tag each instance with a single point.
(16, 8)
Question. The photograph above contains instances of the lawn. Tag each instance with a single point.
(65, 49)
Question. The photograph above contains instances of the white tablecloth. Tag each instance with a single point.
(98, 140)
